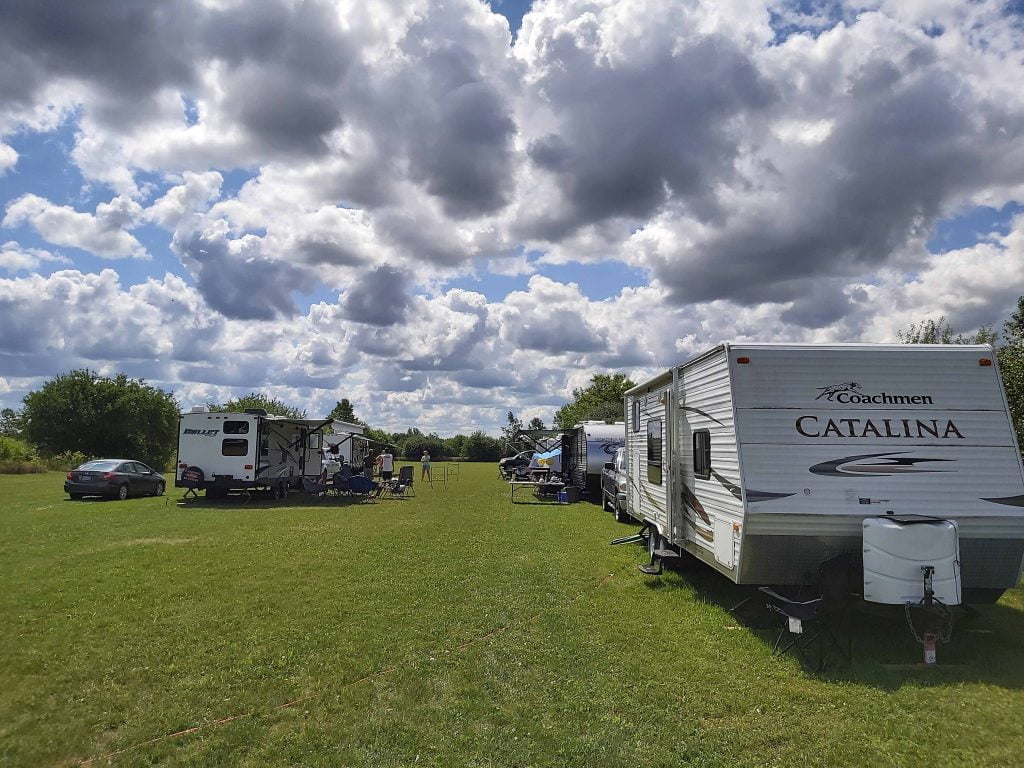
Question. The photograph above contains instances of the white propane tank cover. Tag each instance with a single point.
(897, 548)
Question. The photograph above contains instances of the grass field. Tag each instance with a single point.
(451, 629)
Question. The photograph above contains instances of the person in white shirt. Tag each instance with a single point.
(425, 466)
(387, 464)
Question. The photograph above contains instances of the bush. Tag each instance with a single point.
(66, 461)
(13, 449)
(21, 468)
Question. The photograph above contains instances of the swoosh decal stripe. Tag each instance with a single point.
(766, 495)
(1010, 501)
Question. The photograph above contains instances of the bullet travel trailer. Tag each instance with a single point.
(586, 448)
(766, 460)
(220, 452)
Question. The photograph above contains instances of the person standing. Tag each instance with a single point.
(425, 466)
(387, 464)
(368, 464)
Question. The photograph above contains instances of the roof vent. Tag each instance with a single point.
(200, 409)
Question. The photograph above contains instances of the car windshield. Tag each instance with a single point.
(103, 465)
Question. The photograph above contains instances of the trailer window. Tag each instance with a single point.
(702, 454)
(236, 427)
(654, 451)
(234, 447)
(313, 441)
(635, 416)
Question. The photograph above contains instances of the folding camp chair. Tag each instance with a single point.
(314, 487)
(816, 622)
(365, 489)
(405, 481)
(341, 483)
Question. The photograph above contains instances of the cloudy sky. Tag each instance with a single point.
(442, 209)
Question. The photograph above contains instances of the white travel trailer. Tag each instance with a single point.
(764, 460)
(220, 452)
(587, 447)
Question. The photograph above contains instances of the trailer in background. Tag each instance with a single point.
(586, 448)
(221, 452)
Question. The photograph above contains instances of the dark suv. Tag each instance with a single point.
(614, 482)
(116, 478)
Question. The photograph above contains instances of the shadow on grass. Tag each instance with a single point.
(266, 501)
(984, 647)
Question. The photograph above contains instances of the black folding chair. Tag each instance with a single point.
(818, 622)
(405, 481)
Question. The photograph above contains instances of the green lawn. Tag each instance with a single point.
(452, 629)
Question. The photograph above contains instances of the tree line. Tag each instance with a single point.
(82, 414)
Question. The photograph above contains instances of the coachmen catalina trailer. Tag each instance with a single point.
(587, 447)
(220, 452)
(764, 460)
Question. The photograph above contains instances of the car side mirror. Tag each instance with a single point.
(609, 465)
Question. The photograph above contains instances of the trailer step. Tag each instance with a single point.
(654, 569)
(628, 539)
(663, 553)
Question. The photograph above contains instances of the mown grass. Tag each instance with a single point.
(452, 629)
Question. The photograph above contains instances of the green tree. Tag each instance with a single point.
(940, 332)
(1009, 352)
(481, 447)
(271, 405)
(455, 446)
(1011, 365)
(415, 445)
(601, 400)
(344, 411)
(537, 423)
(99, 416)
(10, 423)
(510, 430)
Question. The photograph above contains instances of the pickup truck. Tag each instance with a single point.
(508, 465)
(613, 486)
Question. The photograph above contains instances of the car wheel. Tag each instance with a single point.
(159, 491)
(620, 514)
(122, 492)
(76, 496)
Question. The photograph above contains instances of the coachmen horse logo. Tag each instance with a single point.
(829, 393)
